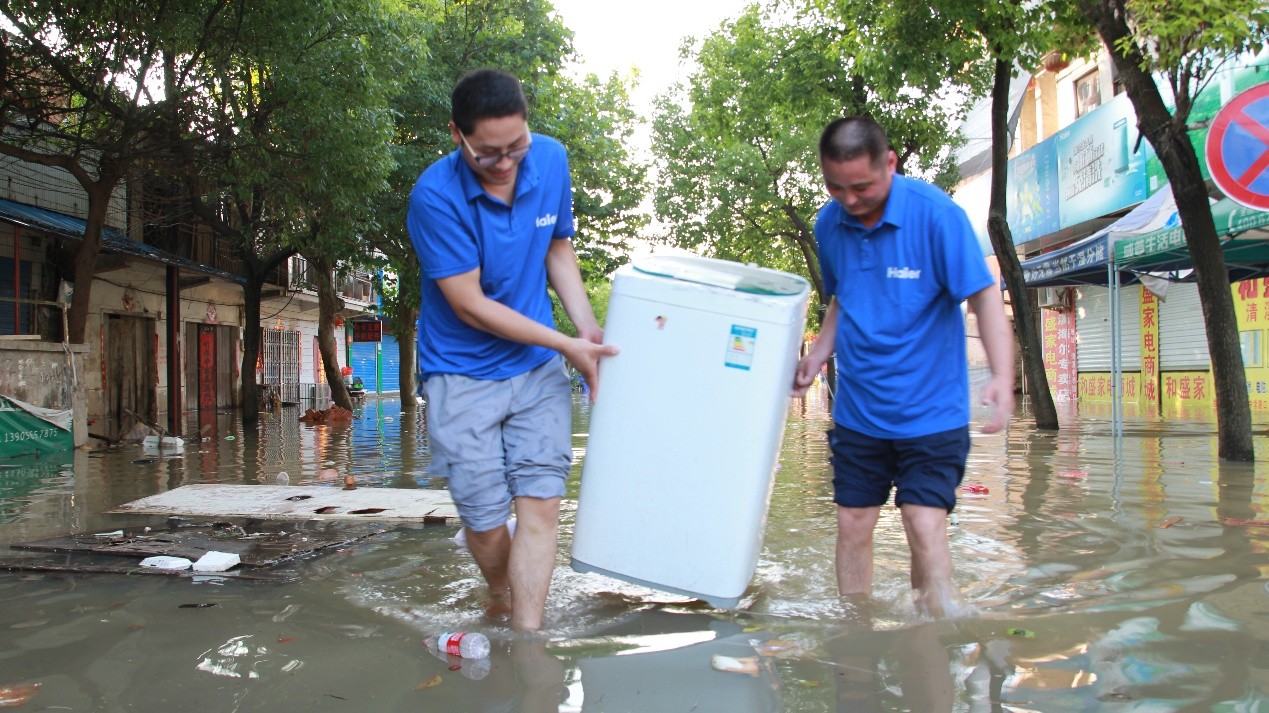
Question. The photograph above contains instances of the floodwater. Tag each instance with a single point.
(1097, 574)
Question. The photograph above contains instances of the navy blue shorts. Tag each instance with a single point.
(922, 471)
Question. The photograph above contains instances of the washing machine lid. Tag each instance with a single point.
(722, 273)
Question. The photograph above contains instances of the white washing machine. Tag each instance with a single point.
(686, 432)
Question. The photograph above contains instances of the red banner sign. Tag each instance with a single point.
(367, 331)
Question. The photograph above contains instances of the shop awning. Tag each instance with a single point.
(1086, 261)
(1080, 263)
(1244, 236)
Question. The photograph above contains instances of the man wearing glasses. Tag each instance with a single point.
(491, 224)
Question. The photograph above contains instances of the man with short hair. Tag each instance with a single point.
(491, 223)
(899, 257)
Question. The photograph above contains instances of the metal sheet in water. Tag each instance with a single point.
(294, 502)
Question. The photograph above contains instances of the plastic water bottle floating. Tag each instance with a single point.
(469, 645)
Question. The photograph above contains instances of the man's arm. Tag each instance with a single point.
(821, 351)
(997, 337)
(476, 309)
(566, 279)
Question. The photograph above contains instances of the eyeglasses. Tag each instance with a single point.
(492, 160)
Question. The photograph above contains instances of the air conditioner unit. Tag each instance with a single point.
(1051, 297)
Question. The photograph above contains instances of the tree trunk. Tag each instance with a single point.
(257, 271)
(406, 328)
(322, 272)
(251, 349)
(86, 264)
(1025, 324)
(99, 194)
(1169, 136)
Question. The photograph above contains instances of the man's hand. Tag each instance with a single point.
(584, 354)
(998, 396)
(808, 368)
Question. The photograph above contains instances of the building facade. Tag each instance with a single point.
(1100, 242)
(165, 327)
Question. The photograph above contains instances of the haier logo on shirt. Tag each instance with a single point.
(546, 221)
(903, 273)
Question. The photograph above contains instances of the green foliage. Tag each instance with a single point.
(595, 121)
(1180, 29)
(521, 37)
(736, 149)
(592, 118)
(86, 86)
(295, 118)
(1187, 40)
(599, 291)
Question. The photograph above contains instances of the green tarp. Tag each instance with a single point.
(1244, 240)
(26, 429)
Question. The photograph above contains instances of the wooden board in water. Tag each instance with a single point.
(299, 502)
(262, 544)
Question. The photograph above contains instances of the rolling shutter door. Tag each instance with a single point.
(1182, 338)
(391, 356)
(363, 364)
(1092, 328)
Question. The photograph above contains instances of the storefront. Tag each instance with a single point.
(1120, 303)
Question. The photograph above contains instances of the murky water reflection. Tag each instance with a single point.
(1097, 575)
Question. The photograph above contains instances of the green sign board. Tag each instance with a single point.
(1167, 246)
(26, 429)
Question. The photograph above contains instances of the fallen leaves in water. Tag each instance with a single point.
(429, 683)
(1169, 522)
(17, 694)
(1242, 522)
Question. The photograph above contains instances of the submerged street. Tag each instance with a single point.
(1096, 574)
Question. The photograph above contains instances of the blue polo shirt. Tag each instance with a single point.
(902, 370)
(457, 227)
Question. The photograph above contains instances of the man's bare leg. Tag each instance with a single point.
(926, 528)
(492, 551)
(532, 560)
(854, 549)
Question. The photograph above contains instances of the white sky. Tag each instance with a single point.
(616, 36)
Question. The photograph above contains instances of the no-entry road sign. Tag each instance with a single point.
(1238, 148)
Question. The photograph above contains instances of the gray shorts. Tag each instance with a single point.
(499, 440)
